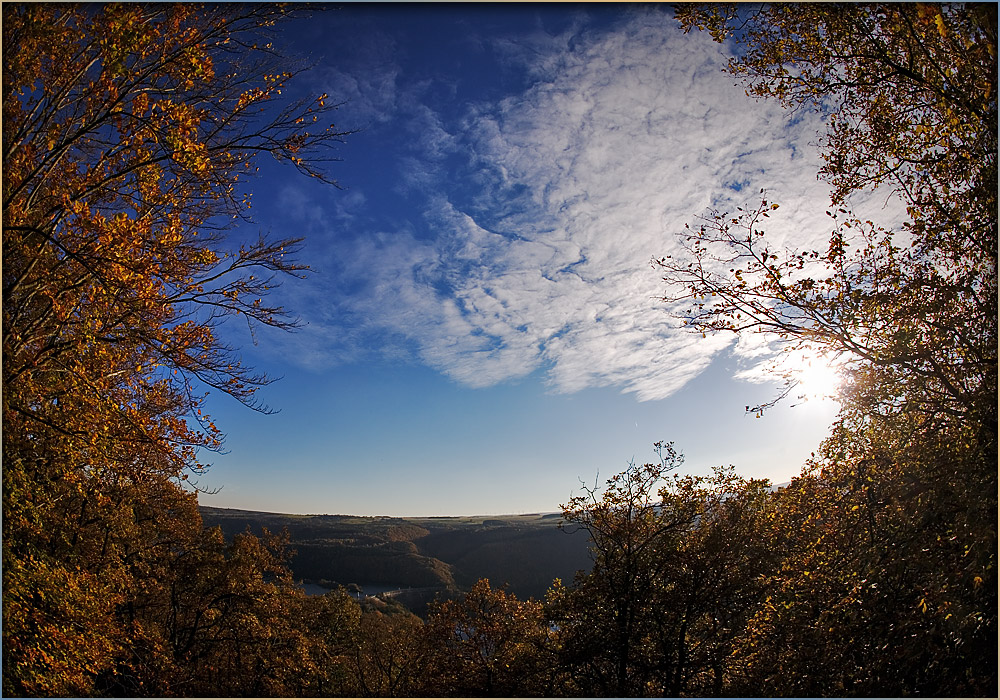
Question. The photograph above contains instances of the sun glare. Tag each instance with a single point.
(819, 378)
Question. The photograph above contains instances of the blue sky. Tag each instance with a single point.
(482, 324)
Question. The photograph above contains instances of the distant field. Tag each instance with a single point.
(525, 552)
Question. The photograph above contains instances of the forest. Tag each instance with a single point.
(130, 137)
(441, 556)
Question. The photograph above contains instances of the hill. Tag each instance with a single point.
(438, 554)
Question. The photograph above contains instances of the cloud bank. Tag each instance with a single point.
(539, 213)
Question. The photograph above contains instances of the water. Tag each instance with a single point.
(366, 589)
(313, 589)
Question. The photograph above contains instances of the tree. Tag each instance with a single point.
(676, 564)
(888, 585)
(604, 619)
(880, 588)
(128, 133)
(910, 96)
(488, 644)
(389, 655)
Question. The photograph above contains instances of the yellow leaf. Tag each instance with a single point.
(939, 21)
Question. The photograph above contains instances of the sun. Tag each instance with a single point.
(818, 378)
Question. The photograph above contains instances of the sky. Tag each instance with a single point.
(482, 327)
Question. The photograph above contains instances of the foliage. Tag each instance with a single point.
(487, 643)
(674, 580)
(888, 582)
(128, 131)
(910, 93)
(630, 531)
(388, 659)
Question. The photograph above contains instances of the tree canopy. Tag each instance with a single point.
(891, 529)
(909, 95)
(128, 133)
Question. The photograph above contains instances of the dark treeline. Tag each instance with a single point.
(700, 586)
(127, 130)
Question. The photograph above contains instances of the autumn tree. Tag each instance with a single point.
(889, 586)
(213, 618)
(676, 565)
(910, 94)
(128, 133)
(604, 618)
(487, 644)
(880, 589)
(388, 657)
(715, 582)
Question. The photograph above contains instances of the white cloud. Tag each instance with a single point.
(366, 82)
(535, 253)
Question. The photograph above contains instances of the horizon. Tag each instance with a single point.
(391, 517)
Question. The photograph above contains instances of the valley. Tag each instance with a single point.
(421, 558)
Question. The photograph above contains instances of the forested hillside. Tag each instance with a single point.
(523, 552)
(128, 133)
